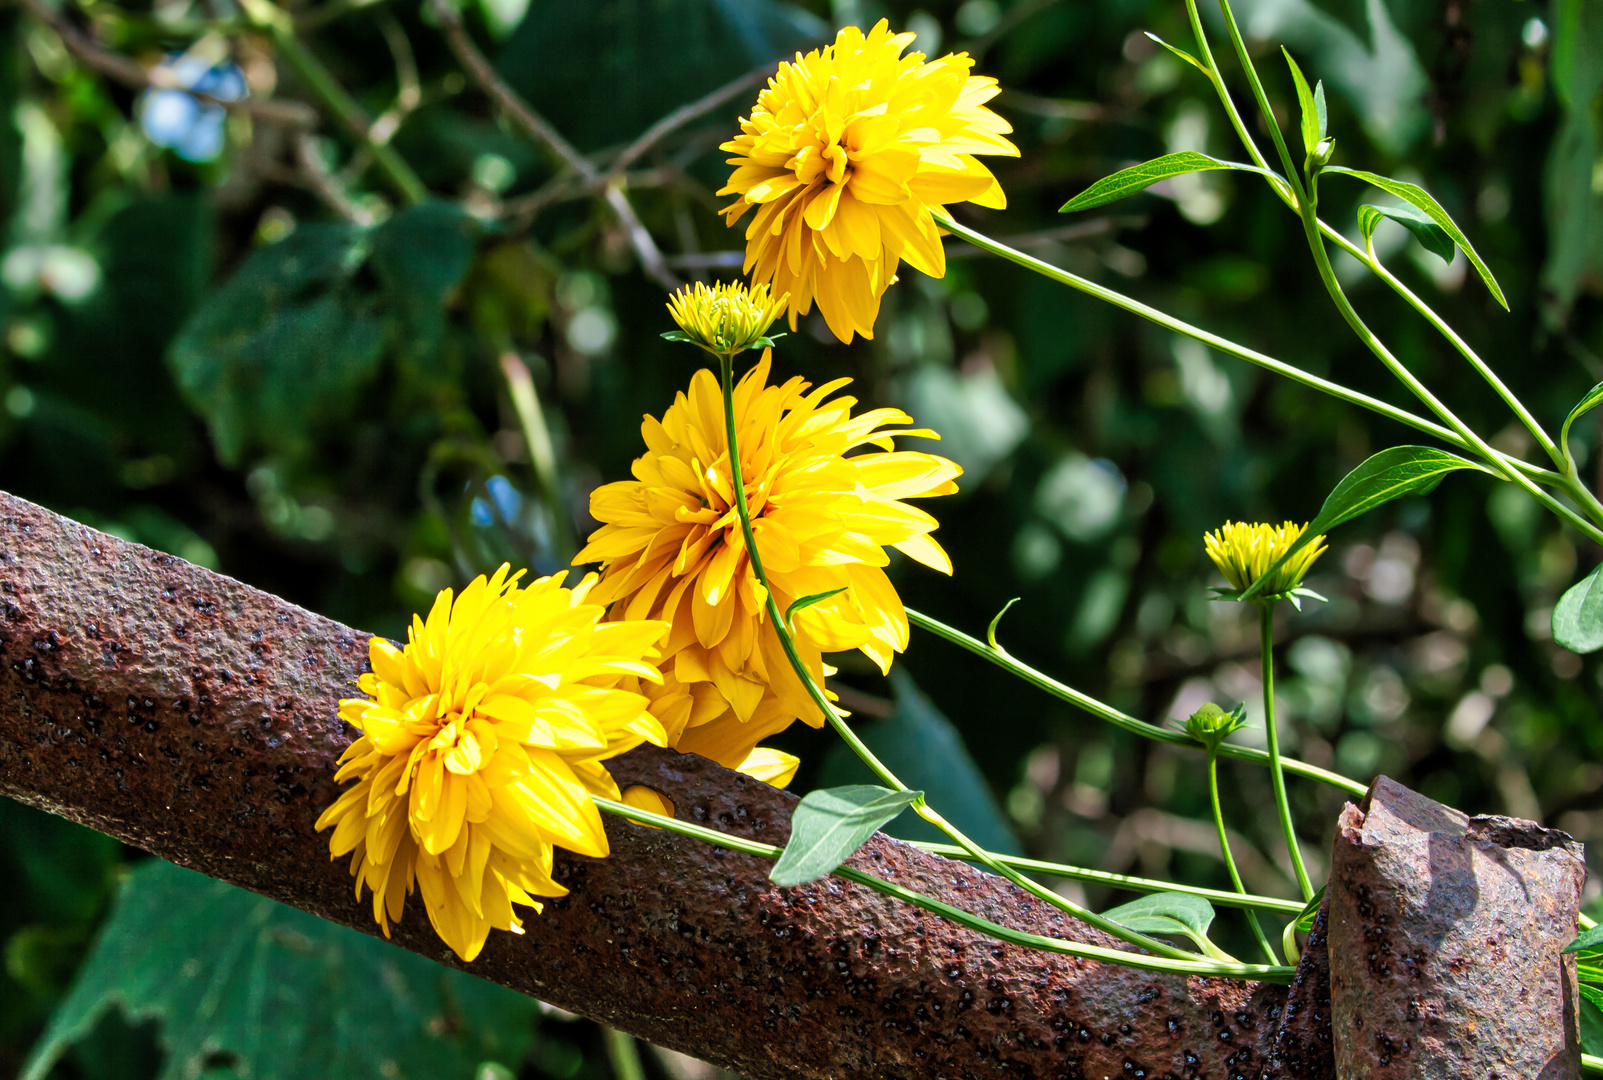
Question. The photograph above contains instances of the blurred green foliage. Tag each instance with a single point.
(265, 364)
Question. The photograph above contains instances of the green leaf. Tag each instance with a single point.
(1419, 197)
(1312, 105)
(1432, 236)
(808, 601)
(1181, 53)
(1388, 475)
(1305, 918)
(831, 823)
(1137, 178)
(1578, 616)
(923, 748)
(1588, 939)
(420, 256)
(1587, 403)
(1167, 913)
(288, 996)
(1591, 1011)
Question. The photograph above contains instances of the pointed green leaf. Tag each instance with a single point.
(1313, 118)
(1578, 615)
(1181, 53)
(228, 973)
(808, 601)
(1419, 197)
(1321, 109)
(1388, 475)
(1167, 913)
(1587, 403)
(1432, 236)
(1305, 918)
(829, 824)
(1588, 939)
(1136, 178)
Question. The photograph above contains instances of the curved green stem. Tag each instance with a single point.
(1230, 861)
(1266, 645)
(1192, 966)
(1239, 899)
(1592, 1063)
(833, 716)
(1231, 348)
(1003, 659)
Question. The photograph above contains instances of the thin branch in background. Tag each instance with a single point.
(409, 93)
(1014, 16)
(686, 114)
(290, 114)
(485, 76)
(314, 175)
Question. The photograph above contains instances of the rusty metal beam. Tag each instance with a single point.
(194, 716)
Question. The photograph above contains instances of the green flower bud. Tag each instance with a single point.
(1211, 725)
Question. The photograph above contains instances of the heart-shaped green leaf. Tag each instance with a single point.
(1140, 177)
(831, 823)
(1167, 913)
(1388, 475)
(1578, 615)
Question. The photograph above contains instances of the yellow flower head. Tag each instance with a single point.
(843, 156)
(671, 548)
(482, 742)
(1244, 553)
(725, 319)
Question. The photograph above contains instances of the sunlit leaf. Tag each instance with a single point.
(1422, 199)
(808, 601)
(1167, 913)
(1181, 53)
(1586, 404)
(1138, 178)
(1390, 474)
(1578, 616)
(1311, 105)
(1588, 939)
(829, 824)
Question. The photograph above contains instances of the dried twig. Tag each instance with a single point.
(685, 114)
(485, 76)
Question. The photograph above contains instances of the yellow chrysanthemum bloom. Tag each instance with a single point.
(482, 742)
(1244, 553)
(671, 548)
(725, 319)
(843, 156)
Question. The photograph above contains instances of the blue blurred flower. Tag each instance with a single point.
(191, 128)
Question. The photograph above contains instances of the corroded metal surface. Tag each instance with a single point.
(195, 717)
(1445, 941)
(1302, 1047)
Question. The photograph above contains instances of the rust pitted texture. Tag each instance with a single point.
(1446, 935)
(1302, 1049)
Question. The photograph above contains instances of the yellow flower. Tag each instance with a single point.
(843, 156)
(671, 548)
(482, 742)
(725, 319)
(1244, 553)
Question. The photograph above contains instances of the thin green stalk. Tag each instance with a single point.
(1266, 641)
(1003, 659)
(1230, 861)
(1284, 191)
(1592, 1063)
(318, 79)
(1224, 345)
(623, 1054)
(1192, 966)
(1121, 881)
(1307, 209)
(920, 806)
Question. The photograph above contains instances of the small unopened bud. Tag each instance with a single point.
(725, 319)
(1322, 153)
(1211, 725)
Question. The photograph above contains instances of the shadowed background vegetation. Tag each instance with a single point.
(235, 338)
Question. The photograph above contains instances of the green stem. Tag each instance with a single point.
(1592, 1062)
(1230, 861)
(1003, 659)
(623, 1054)
(1192, 966)
(1120, 881)
(1264, 109)
(838, 722)
(1266, 641)
(268, 16)
(1224, 345)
